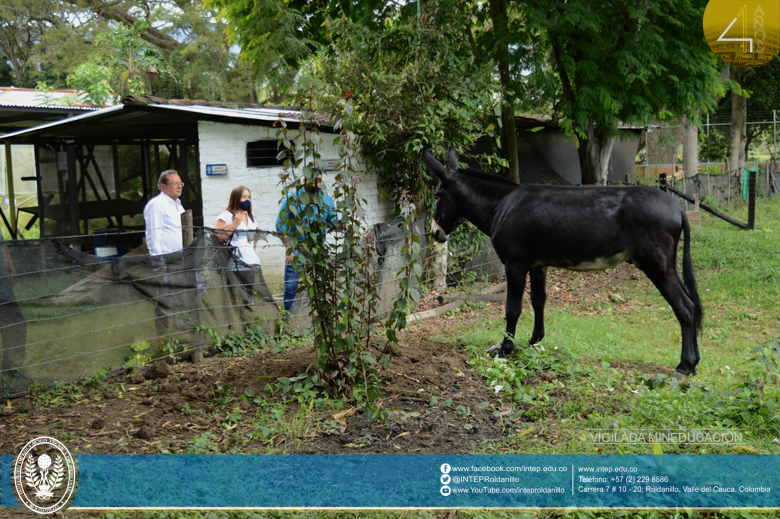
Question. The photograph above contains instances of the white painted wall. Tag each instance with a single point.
(222, 143)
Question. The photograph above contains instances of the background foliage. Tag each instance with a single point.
(412, 86)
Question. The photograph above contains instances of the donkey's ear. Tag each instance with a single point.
(452, 160)
(434, 166)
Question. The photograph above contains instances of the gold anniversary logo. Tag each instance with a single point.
(743, 33)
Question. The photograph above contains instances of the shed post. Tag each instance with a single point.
(39, 189)
(117, 182)
(183, 172)
(9, 171)
(73, 193)
(147, 176)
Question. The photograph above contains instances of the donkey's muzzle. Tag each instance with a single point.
(438, 233)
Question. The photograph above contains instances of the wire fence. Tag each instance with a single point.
(65, 313)
(713, 184)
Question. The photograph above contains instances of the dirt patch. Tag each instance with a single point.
(566, 287)
(152, 412)
(170, 408)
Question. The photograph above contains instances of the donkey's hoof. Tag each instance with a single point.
(494, 348)
(680, 376)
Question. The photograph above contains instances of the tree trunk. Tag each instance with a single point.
(8, 51)
(690, 148)
(510, 140)
(113, 11)
(499, 19)
(738, 129)
(594, 155)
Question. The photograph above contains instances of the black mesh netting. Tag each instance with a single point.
(65, 314)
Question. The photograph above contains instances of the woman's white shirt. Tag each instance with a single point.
(243, 238)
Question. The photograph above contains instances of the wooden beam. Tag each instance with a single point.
(147, 176)
(451, 306)
(73, 192)
(709, 209)
(117, 181)
(485, 298)
(39, 189)
(184, 173)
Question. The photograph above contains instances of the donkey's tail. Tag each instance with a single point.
(688, 277)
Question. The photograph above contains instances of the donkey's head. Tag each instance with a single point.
(446, 216)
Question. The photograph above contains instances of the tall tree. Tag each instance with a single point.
(762, 84)
(22, 25)
(47, 40)
(500, 21)
(123, 62)
(272, 39)
(615, 62)
(737, 130)
(410, 86)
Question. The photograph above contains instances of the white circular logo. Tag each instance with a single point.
(44, 475)
(445, 468)
(445, 491)
(445, 479)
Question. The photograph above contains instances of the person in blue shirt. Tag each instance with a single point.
(293, 200)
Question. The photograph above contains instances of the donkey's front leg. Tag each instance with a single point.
(538, 298)
(515, 287)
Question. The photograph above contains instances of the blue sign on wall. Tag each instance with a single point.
(216, 170)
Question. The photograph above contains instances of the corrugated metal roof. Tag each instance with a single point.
(131, 122)
(257, 114)
(51, 107)
(31, 98)
(69, 120)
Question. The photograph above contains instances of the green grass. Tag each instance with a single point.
(24, 219)
(601, 351)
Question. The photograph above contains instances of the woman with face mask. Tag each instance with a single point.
(237, 224)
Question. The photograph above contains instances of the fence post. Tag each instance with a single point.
(728, 183)
(766, 174)
(774, 129)
(186, 228)
(752, 200)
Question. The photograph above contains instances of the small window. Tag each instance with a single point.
(262, 154)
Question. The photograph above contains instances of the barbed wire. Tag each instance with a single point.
(177, 314)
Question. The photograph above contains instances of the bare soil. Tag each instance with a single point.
(169, 406)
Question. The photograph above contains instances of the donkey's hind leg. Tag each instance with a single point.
(538, 277)
(671, 287)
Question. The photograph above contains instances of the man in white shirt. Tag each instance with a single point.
(163, 216)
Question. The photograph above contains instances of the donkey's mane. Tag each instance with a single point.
(479, 179)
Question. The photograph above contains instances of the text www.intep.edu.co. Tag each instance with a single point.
(522, 468)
